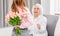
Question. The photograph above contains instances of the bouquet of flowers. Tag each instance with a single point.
(14, 22)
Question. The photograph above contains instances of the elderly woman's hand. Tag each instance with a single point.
(38, 26)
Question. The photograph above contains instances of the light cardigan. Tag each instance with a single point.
(27, 17)
(42, 31)
(57, 29)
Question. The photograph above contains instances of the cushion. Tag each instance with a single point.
(51, 24)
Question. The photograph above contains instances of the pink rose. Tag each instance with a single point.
(12, 14)
(7, 18)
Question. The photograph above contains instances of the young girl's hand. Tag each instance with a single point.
(16, 26)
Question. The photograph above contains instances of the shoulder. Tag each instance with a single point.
(28, 11)
(10, 12)
(44, 18)
(26, 8)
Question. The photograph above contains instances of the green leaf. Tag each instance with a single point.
(18, 31)
(15, 21)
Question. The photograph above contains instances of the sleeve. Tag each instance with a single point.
(43, 25)
(30, 18)
(9, 14)
(28, 21)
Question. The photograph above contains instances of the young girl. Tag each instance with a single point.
(39, 27)
(19, 8)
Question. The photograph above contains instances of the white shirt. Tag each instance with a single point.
(42, 31)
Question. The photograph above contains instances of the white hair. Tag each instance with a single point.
(39, 6)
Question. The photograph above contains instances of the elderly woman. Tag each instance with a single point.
(40, 22)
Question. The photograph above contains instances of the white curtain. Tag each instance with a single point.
(1, 13)
(54, 7)
(3, 10)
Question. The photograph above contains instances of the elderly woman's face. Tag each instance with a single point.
(36, 11)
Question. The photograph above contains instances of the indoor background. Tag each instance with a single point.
(51, 7)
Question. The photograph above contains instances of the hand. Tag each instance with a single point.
(16, 26)
(38, 26)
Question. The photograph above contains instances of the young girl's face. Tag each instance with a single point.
(36, 11)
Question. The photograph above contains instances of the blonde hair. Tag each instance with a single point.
(39, 6)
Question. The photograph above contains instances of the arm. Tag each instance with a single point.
(29, 18)
(31, 21)
(9, 14)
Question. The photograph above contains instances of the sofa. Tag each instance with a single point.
(51, 24)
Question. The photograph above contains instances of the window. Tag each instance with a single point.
(54, 7)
